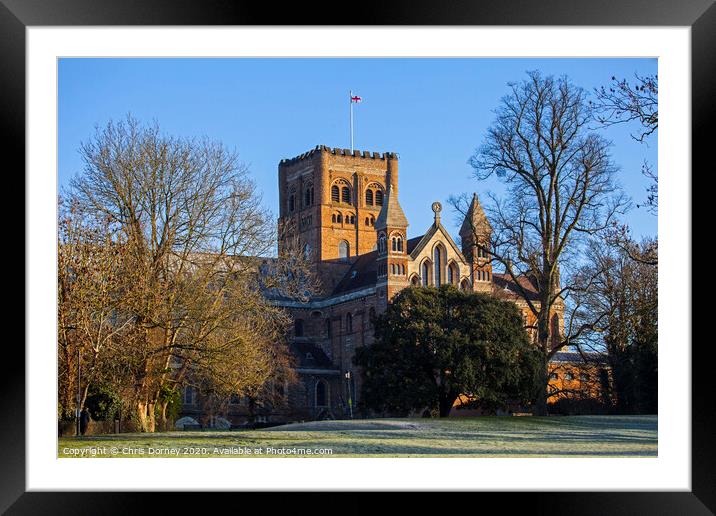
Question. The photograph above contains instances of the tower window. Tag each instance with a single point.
(379, 197)
(344, 250)
(298, 327)
(292, 203)
(307, 197)
(369, 197)
(346, 195)
(335, 194)
(394, 244)
(400, 244)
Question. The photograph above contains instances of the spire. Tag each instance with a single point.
(475, 219)
(391, 214)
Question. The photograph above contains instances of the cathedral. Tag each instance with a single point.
(344, 209)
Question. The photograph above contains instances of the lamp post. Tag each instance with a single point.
(350, 397)
(79, 395)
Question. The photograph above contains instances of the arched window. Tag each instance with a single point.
(400, 244)
(426, 274)
(339, 218)
(292, 203)
(346, 195)
(349, 323)
(372, 220)
(298, 328)
(379, 197)
(367, 221)
(369, 197)
(307, 197)
(335, 193)
(321, 393)
(464, 285)
(393, 244)
(333, 218)
(344, 250)
(438, 265)
(415, 280)
(455, 272)
(451, 275)
(392, 269)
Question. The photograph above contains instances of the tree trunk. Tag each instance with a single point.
(540, 407)
(145, 414)
(163, 423)
(543, 343)
(446, 402)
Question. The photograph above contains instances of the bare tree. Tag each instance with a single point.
(624, 102)
(90, 318)
(625, 291)
(638, 103)
(193, 229)
(561, 190)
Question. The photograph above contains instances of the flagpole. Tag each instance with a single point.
(350, 101)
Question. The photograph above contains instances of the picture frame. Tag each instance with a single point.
(17, 15)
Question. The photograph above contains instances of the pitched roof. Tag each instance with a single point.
(413, 243)
(391, 214)
(574, 357)
(505, 287)
(309, 355)
(475, 218)
(363, 273)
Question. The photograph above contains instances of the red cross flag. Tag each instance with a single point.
(356, 99)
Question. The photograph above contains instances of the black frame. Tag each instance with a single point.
(700, 15)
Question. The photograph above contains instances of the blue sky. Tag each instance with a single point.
(432, 112)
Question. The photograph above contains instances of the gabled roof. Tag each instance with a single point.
(414, 249)
(391, 214)
(475, 218)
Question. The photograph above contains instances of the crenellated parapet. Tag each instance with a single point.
(340, 152)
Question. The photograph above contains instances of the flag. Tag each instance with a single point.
(355, 99)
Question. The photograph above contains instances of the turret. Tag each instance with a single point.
(476, 235)
(392, 258)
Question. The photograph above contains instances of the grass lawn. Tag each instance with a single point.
(572, 436)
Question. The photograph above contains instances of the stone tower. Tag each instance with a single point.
(329, 201)
(476, 234)
(392, 258)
